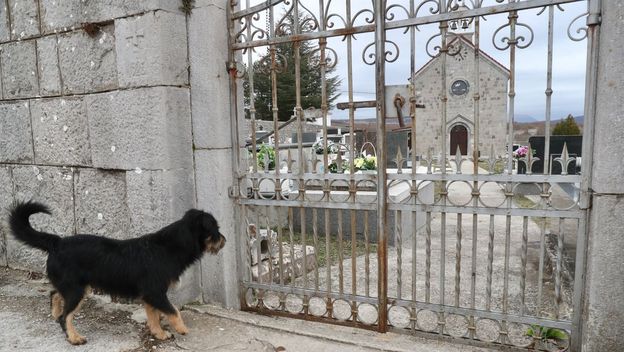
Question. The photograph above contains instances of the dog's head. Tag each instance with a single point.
(207, 230)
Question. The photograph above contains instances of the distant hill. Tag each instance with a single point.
(524, 118)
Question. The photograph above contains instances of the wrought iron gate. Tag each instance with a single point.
(432, 241)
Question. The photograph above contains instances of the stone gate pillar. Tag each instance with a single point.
(603, 314)
(210, 110)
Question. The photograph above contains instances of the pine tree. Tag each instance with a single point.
(566, 127)
(310, 78)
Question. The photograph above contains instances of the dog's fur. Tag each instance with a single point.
(142, 267)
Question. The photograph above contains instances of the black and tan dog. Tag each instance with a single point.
(142, 267)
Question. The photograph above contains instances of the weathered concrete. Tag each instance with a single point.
(603, 315)
(60, 15)
(219, 272)
(48, 66)
(101, 203)
(24, 18)
(88, 64)
(6, 189)
(151, 50)
(60, 131)
(4, 24)
(147, 128)
(15, 133)
(19, 69)
(209, 78)
(54, 187)
(158, 198)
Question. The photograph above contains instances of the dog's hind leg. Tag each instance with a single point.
(153, 323)
(73, 299)
(161, 303)
(56, 304)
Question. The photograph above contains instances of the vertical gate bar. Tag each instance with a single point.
(513, 16)
(444, 98)
(367, 249)
(248, 274)
(304, 243)
(328, 264)
(548, 92)
(428, 259)
(274, 104)
(280, 240)
(269, 245)
(504, 331)
(540, 270)
(414, 184)
(316, 248)
(340, 255)
(350, 98)
(414, 244)
(323, 66)
(399, 244)
(558, 268)
(291, 269)
(593, 35)
(488, 285)
(258, 247)
(523, 263)
(236, 167)
(475, 159)
(353, 254)
(458, 248)
(382, 202)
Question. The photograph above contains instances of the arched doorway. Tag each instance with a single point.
(459, 137)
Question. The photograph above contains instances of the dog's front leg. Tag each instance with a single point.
(153, 323)
(176, 321)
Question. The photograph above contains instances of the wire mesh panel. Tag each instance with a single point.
(378, 174)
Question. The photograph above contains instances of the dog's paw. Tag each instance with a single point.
(163, 335)
(77, 340)
(182, 330)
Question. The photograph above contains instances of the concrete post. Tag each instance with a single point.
(210, 110)
(603, 314)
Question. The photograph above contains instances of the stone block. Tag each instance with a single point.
(219, 272)
(151, 50)
(158, 198)
(4, 23)
(148, 128)
(19, 69)
(24, 18)
(6, 199)
(15, 133)
(48, 66)
(66, 14)
(88, 64)
(52, 186)
(60, 131)
(207, 55)
(101, 203)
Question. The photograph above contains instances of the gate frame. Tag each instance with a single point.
(379, 28)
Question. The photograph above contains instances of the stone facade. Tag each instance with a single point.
(493, 82)
(97, 122)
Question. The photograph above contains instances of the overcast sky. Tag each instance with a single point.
(568, 56)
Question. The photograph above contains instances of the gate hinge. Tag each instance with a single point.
(586, 200)
(234, 191)
(230, 67)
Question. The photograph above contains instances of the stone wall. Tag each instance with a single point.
(95, 120)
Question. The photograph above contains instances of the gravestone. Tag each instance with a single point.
(573, 143)
(307, 137)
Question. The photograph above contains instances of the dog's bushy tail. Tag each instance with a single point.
(23, 231)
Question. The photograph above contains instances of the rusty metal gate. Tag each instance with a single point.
(369, 220)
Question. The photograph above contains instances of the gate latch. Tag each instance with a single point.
(234, 191)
